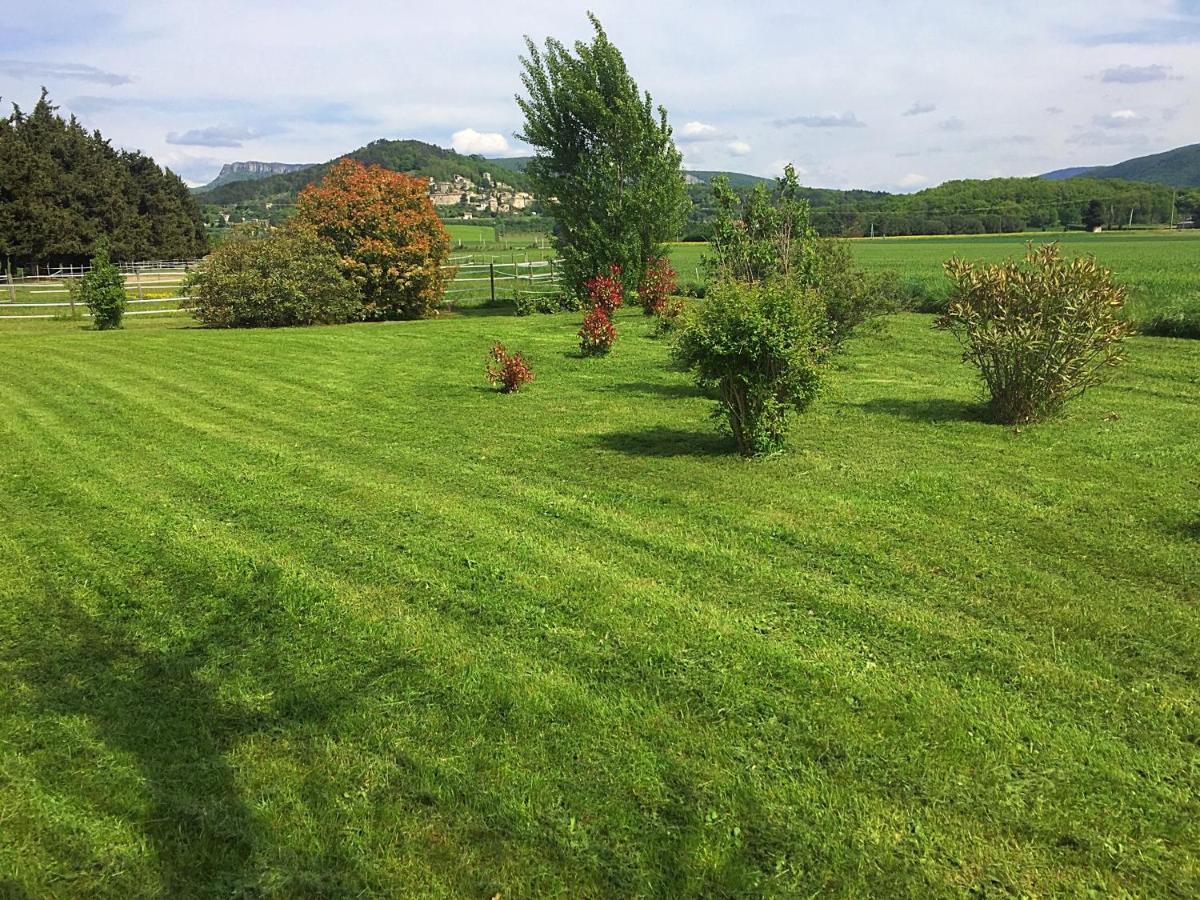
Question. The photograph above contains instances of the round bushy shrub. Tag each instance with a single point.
(390, 242)
(290, 277)
(102, 289)
(1039, 333)
(759, 348)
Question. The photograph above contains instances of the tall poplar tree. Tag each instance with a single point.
(604, 154)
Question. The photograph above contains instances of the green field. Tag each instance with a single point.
(316, 613)
(471, 234)
(1161, 271)
(490, 238)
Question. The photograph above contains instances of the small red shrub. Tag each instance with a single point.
(597, 335)
(606, 291)
(508, 372)
(658, 284)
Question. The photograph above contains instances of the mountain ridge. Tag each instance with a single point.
(408, 156)
(250, 170)
(1178, 168)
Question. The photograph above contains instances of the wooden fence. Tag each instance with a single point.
(475, 278)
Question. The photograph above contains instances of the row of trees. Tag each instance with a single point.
(999, 205)
(62, 189)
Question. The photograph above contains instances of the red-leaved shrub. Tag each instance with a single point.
(658, 283)
(605, 291)
(597, 334)
(508, 371)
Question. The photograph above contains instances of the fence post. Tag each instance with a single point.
(12, 290)
(492, 276)
(139, 282)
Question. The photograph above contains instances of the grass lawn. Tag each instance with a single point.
(314, 612)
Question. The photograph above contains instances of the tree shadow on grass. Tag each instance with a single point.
(671, 391)
(158, 699)
(154, 707)
(667, 442)
(938, 410)
(479, 312)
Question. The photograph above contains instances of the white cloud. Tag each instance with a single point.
(485, 143)
(1126, 74)
(913, 180)
(920, 109)
(214, 136)
(699, 131)
(828, 120)
(740, 148)
(1120, 118)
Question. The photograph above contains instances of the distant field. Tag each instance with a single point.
(472, 234)
(1161, 271)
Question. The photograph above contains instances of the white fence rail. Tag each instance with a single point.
(499, 279)
(474, 278)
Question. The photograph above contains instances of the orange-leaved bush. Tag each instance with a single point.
(391, 243)
(508, 372)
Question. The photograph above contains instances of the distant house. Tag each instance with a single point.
(1186, 223)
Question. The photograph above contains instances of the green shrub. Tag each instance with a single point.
(1180, 322)
(852, 296)
(666, 319)
(759, 348)
(1039, 333)
(769, 235)
(288, 278)
(102, 290)
(527, 304)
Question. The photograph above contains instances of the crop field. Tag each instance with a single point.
(315, 612)
(1161, 271)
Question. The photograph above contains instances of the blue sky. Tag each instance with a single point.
(885, 95)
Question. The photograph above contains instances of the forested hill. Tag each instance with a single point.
(410, 157)
(1000, 205)
(62, 188)
(1178, 168)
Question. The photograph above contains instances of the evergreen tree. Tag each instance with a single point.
(63, 189)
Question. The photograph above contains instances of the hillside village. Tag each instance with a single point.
(490, 197)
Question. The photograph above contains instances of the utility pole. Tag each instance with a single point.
(1171, 221)
(1131, 209)
(12, 291)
